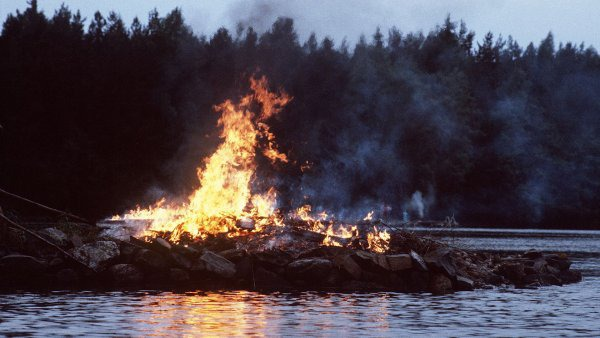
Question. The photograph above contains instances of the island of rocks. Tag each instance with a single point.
(84, 257)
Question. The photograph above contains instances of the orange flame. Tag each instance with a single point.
(225, 193)
(225, 198)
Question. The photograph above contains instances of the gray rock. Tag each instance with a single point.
(186, 250)
(418, 261)
(371, 261)
(569, 276)
(399, 262)
(273, 258)
(126, 274)
(55, 263)
(439, 283)
(218, 265)
(98, 254)
(441, 260)
(55, 236)
(265, 279)
(310, 269)
(532, 254)
(150, 260)
(178, 275)
(233, 255)
(559, 262)
(346, 263)
(464, 284)
(76, 241)
(67, 277)
(198, 265)
(21, 265)
(162, 244)
(245, 223)
(181, 261)
(514, 272)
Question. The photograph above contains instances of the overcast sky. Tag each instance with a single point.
(525, 20)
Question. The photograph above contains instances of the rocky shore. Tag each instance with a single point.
(90, 259)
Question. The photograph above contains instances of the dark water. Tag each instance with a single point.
(549, 311)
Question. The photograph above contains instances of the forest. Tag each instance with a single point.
(97, 115)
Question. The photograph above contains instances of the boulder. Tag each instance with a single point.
(245, 223)
(418, 261)
(21, 266)
(273, 258)
(265, 279)
(198, 266)
(570, 276)
(218, 265)
(417, 280)
(56, 263)
(315, 270)
(346, 263)
(76, 241)
(562, 263)
(439, 283)
(97, 255)
(399, 262)
(178, 275)
(67, 277)
(371, 261)
(55, 236)
(233, 255)
(162, 244)
(464, 284)
(532, 254)
(126, 274)
(128, 252)
(514, 272)
(323, 251)
(181, 261)
(244, 268)
(441, 260)
(186, 250)
(150, 260)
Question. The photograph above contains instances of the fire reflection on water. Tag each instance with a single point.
(220, 314)
(243, 313)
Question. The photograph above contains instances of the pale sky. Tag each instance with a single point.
(525, 20)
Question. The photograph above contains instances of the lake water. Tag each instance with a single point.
(549, 311)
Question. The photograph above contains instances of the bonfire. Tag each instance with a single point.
(228, 202)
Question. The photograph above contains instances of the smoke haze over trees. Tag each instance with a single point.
(95, 112)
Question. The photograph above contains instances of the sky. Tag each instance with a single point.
(526, 20)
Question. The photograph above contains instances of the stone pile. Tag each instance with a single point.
(411, 265)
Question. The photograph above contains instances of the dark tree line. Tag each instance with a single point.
(94, 112)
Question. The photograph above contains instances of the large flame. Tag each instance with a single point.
(225, 201)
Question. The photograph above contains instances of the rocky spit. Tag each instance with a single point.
(289, 261)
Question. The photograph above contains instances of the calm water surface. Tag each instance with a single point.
(549, 311)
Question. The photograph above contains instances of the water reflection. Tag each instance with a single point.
(550, 311)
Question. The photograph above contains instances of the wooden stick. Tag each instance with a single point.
(34, 234)
(45, 207)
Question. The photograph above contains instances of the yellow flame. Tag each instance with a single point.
(225, 193)
(225, 197)
(379, 241)
(369, 216)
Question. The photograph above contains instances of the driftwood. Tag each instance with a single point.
(64, 213)
(34, 234)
